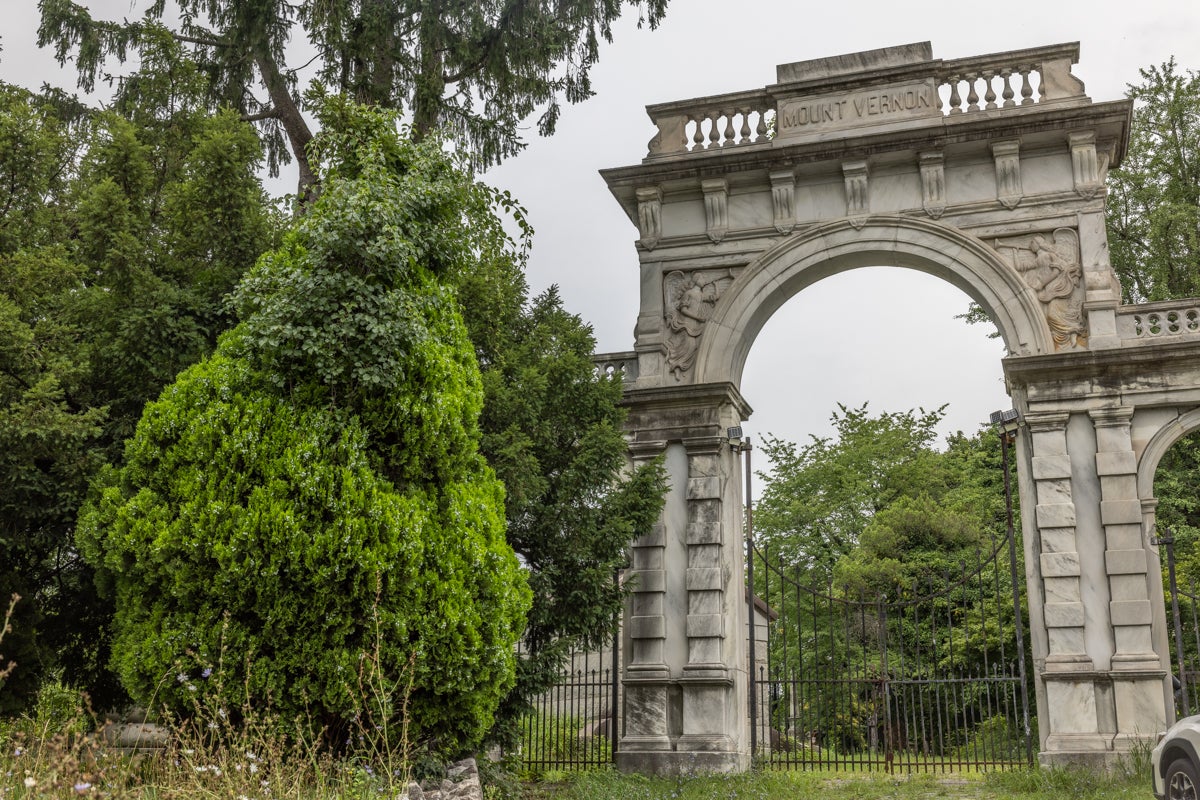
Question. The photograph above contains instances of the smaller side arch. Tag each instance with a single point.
(1159, 444)
(805, 258)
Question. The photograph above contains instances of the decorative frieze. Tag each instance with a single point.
(1051, 267)
(688, 302)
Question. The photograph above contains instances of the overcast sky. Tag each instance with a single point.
(883, 335)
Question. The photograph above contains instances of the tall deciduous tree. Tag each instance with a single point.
(476, 69)
(1154, 197)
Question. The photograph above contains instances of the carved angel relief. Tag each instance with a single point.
(689, 299)
(1051, 267)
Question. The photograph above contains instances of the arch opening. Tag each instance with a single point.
(801, 261)
(850, 339)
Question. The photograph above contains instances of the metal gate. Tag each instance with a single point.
(1183, 610)
(931, 681)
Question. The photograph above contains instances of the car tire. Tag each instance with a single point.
(1181, 780)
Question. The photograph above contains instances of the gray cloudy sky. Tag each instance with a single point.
(883, 335)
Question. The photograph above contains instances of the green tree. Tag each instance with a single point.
(313, 493)
(110, 283)
(818, 498)
(1153, 210)
(553, 433)
(476, 69)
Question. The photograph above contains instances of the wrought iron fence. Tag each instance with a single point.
(1183, 609)
(573, 726)
(930, 680)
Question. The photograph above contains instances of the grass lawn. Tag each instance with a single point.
(1124, 784)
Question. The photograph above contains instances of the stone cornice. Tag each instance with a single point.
(1110, 120)
(1106, 366)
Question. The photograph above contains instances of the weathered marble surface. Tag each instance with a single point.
(989, 173)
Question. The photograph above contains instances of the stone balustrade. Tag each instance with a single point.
(711, 123)
(991, 83)
(623, 364)
(1008, 80)
(1165, 319)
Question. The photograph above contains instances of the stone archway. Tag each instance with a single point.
(988, 172)
(799, 261)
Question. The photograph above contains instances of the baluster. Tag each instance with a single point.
(1026, 86)
(714, 131)
(990, 92)
(955, 99)
(972, 95)
(744, 133)
(760, 130)
(730, 133)
(1006, 74)
(698, 136)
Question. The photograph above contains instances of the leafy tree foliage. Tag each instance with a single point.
(313, 493)
(110, 283)
(1154, 197)
(476, 69)
(553, 433)
(819, 497)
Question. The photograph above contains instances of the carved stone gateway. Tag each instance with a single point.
(989, 173)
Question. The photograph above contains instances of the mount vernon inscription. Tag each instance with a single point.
(803, 115)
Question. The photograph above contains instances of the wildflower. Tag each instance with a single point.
(18, 752)
(207, 673)
(182, 677)
(191, 687)
(30, 782)
(82, 787)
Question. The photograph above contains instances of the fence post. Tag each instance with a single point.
(613, 716)
(1168, 542)
(1007, 434)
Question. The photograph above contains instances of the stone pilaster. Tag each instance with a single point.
(1136, 668)
(1125, 554)
(707, 680)
(684, 674)
(1059, 558)
(646, 673)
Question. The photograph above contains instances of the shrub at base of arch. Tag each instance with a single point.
(310, 501)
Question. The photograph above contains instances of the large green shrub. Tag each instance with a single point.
(311, 497)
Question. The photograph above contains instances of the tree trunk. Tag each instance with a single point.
(430, 84)
(293, 123)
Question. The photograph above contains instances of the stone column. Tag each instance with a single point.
(685, 673)
(646, 672)
(1067, 676)
(1137, 672)
(708, 679)
(1059, 559)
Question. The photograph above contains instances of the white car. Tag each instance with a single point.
(1174, 761)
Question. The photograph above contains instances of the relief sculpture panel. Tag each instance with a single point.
(1051, 267)
(689, 299)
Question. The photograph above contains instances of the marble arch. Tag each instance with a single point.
(988, 171)
(801, 260)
